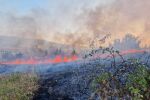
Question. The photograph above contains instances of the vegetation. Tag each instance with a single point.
(138, 83)
(17, 86)
(126, 79)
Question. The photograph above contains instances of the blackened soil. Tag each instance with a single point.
(74, 84)
(49, 87)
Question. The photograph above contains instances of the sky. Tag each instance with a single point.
(56, 10)
(25, 6)
(52, 16)
(75, 21)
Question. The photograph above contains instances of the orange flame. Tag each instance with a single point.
(32, 61)
(61, 59)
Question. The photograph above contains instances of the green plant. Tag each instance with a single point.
(138, 83)
(103, 77)
(18, 86)
(135, 73)
(136, 86)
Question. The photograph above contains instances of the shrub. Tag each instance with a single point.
(129, 78)
(138, 83)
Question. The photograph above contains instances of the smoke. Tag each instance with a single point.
(79, 26)
(119, 18)
(25, 30)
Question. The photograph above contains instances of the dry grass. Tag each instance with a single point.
(18, 86)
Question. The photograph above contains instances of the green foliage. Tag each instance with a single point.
(136, 86)
(138, 83)
(58, 51)
(130, 78)
(17, 86)
(74, 52)
(103, 77)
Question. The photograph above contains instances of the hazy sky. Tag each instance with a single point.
(59, 14)
(81, 20)
(24, 6)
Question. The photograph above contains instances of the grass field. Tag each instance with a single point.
(18, 86)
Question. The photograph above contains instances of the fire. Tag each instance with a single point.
(32, 61)
(63, 59)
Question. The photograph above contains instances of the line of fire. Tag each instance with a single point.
(54, 54)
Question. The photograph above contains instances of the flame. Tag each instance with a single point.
(64, 59)
(32, 61)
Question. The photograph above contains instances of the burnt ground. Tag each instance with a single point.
(66, 81)
(72, 84)
(49, 88)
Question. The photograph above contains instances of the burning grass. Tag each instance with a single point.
(32, 61)
(18, 86)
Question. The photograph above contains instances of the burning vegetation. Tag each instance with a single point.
(93, 73)
(96, 52)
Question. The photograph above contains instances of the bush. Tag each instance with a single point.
(138, 83)
(136, 86)
(126, 79)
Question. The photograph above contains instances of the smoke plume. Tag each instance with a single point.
(118, 18)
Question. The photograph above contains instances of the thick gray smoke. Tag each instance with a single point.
(117, 18)
(25, 31)
(120, 18)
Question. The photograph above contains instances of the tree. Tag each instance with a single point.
(74, 52)
(128, 42)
